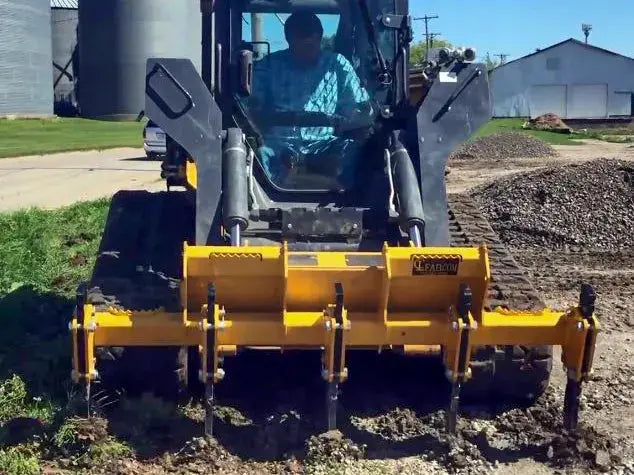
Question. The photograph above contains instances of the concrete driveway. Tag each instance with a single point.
(50, 181)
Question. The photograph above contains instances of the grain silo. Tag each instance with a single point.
(115, 39)
(64, 22)
(26, 86)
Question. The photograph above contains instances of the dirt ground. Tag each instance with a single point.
(50, 181)
(392, 409)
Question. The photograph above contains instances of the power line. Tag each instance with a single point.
(427, 19)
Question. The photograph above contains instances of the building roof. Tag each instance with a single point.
(569, 40)
(71, 4)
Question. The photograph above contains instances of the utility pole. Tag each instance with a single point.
(427, 19)
(431, 39)
(502, 57)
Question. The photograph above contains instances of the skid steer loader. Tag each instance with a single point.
(353, 246)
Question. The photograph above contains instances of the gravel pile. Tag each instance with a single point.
(550, 122)
(504, 145)
(580, 206)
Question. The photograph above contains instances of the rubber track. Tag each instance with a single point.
(139, 265)
(510, 286)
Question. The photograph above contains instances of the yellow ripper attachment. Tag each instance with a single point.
(417, 299)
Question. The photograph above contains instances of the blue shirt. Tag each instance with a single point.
(330, 87)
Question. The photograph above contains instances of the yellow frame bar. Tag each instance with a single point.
(279, 318)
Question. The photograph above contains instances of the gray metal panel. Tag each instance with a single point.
(178, 101)
(64, 24)
(587, 101)
(26, 86)
(455, 107)
(547, 99)
(116, 37)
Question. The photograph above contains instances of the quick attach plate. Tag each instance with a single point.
(322, 223)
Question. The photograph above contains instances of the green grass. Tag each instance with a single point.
(497, 126)
(39, 136)
(19, 460)
(50, 250)
(43, 257)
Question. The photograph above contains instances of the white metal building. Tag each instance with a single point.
(570, 79)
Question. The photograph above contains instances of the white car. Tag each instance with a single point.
(154, 140)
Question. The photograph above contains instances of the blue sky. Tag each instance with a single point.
(517, 27)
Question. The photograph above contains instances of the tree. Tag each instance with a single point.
(418, 50)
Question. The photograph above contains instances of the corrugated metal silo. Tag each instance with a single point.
(26, 87)
(64, 22)
(115, 39)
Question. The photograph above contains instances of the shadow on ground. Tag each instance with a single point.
(34, 342)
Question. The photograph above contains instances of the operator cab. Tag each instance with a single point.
(302, 132)
(313, 124)
(323, 90)
(313, 108)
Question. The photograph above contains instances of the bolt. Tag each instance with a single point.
(289, 226)
(579, 326)
(220, 373)
(70, 326)
(328, 325)
(388, 19)
(422, 139)
(324, 374)
(439, 139)
(355, 226)
(454, 326)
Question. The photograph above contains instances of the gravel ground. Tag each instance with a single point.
(504, 145)
(585, 206)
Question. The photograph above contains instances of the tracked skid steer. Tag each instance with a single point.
(315, 217)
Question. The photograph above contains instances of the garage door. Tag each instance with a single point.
(587, 101)
(548, 99)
